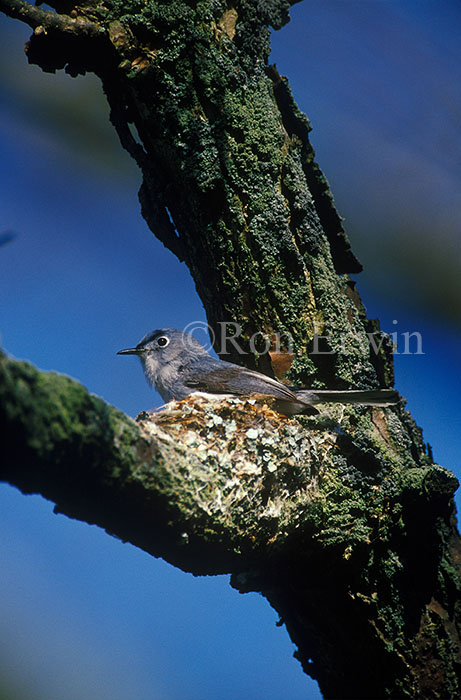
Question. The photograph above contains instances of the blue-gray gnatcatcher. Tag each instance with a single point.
(177, 365)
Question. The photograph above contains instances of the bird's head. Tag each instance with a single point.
(165, 346)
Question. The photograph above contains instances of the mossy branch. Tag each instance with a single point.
(295, 509)
(201, 485)
(46, 20)
(98, 465)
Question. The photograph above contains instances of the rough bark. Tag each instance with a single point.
(342, 521)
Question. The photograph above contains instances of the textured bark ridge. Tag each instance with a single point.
(341, 520)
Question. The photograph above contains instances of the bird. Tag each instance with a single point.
(177, 365)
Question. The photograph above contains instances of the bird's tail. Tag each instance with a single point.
(367, 397)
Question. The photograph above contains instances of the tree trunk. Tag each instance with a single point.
(342, 521)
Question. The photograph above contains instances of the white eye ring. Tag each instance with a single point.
(163, 341)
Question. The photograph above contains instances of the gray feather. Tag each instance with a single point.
(178, 365)
(366, 397)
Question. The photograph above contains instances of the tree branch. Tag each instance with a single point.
(36, 17)
(289, 507)
(99, 466)
(184, 484)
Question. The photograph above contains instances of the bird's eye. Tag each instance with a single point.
(163, 341)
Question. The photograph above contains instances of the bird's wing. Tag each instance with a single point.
(226, 378)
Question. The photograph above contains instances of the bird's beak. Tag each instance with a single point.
(128, 351)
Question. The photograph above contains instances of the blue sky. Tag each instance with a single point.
(84, 615)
